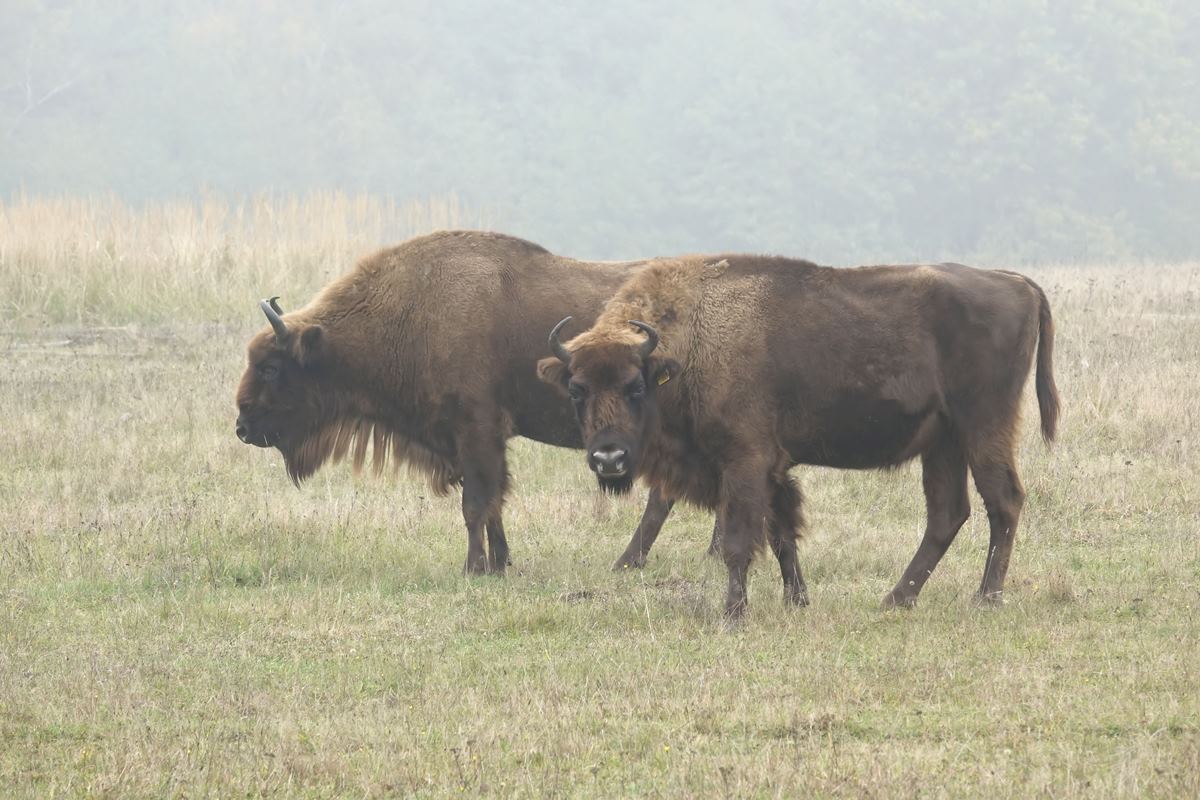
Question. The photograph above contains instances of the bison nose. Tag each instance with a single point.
(609, 461)
(242, 432)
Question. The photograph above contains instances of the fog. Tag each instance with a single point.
(843, 132)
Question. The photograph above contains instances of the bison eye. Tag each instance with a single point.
(576, 391)
(636, 390)
(269, 372)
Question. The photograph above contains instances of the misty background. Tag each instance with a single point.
(842, 132)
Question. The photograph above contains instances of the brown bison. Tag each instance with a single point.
(710, 380)
(426, 351)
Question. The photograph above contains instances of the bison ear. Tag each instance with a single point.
(554, 372)
(310, 345)
(661, 370)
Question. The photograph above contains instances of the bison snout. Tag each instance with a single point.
(248, 435)
(609, 462)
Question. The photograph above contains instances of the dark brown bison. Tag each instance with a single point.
(426, 351)
(711, 379)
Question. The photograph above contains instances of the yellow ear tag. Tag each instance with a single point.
(663, 378)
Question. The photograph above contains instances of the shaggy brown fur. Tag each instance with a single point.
(764, 363)
(426, 352)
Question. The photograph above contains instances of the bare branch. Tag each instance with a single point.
(32, 105)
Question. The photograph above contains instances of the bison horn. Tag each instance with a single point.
(651, 337)
(275, 305)
(556, 346)
(269, 308)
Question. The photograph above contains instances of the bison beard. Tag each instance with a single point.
(616, 486)
(333, 441)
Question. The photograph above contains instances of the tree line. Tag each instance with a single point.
(843, 132)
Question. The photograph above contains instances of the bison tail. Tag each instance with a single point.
(1047, 392)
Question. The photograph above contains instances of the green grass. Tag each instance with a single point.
(177, 620)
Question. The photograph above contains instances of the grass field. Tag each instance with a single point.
(177, 620)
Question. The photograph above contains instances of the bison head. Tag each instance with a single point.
(613, 386)
(280, 399)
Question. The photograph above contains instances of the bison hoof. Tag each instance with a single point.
(798, 598)
(990, 599)
(627, 561)
(475, 568)
(893, 600)
(735, 613)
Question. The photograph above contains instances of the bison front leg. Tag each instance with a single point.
(475, 511)
(485, 479)
(784, 529)
(498, 558)
(744, 505)
(658, 506)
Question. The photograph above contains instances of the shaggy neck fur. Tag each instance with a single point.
(364, 401)
(350, 435)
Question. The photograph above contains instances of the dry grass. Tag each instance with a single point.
(175, 619)
(99, 261)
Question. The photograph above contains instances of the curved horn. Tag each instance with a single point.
(651, 337)
(556, 346)
(273, 317)
(275, 305)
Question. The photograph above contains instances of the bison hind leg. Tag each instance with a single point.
(944, 476)
(1003, 496)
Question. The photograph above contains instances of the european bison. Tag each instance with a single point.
(427, 351)
(710, 379)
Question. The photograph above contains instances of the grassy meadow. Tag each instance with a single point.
(177, 620)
